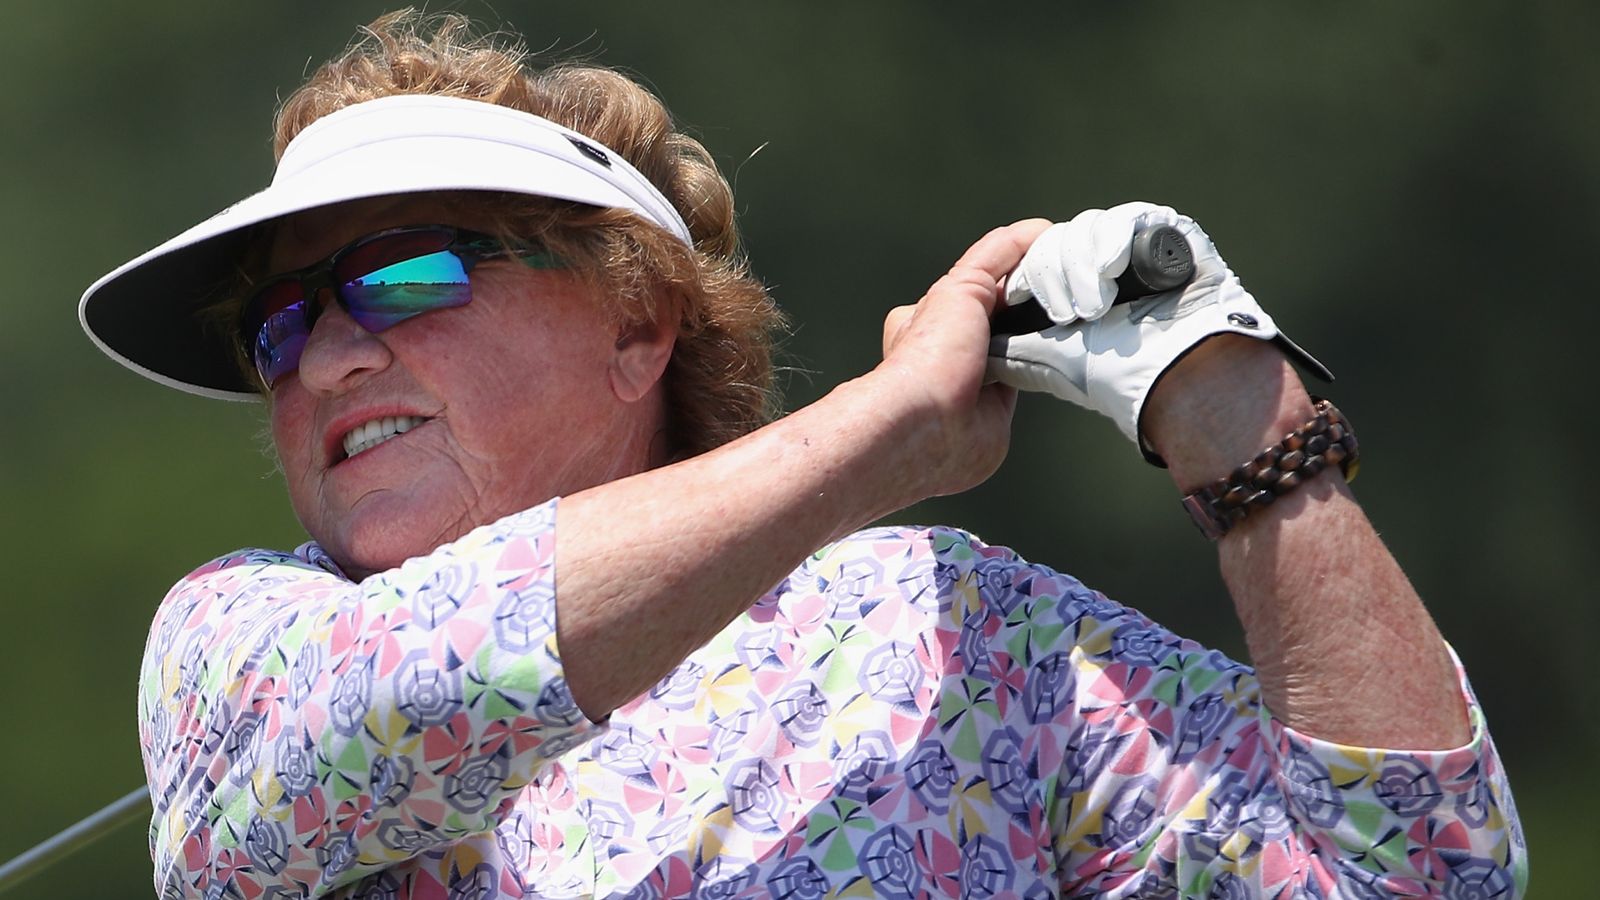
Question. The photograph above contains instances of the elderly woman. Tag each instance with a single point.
(473, 289)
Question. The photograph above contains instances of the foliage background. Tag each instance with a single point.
(1411, 188)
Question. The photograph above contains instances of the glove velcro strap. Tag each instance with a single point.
(1326, 440)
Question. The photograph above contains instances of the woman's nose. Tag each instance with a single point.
(339, 354)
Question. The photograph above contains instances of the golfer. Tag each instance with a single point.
(579, 618)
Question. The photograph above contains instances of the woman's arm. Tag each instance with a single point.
(1342, 644)
(652, 566)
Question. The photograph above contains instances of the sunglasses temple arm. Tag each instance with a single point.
(135, 805)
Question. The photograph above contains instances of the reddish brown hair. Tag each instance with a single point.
(719, 383)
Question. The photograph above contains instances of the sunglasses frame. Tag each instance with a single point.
(468, 246)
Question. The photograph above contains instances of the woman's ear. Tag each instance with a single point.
(643, 350)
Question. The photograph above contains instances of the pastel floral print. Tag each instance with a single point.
(910, 713)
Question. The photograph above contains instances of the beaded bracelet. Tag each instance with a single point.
(1323, 441)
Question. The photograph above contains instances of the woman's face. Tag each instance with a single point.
(524, 394)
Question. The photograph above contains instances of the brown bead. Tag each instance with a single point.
(1287, 483)
(1326, 440)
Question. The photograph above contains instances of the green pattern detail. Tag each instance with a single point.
(1143, 856)
(384, 601)
(1165, 689)
(1366, 817)
(1031, 631)
(519, 674)
(966, 743)
(1201, 680)
(840, 679)
(353, 759)
(237, 810)
(1392, 853)
(496, 706)
(952, 545)
(1200, 885)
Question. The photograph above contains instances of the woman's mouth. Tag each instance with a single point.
(366, 436)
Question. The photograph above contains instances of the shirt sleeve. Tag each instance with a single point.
(300, 731)
(1162, 773)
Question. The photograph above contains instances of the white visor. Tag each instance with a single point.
(142, 314)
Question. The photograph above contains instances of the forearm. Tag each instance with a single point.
(1342, 644)
(651, 567)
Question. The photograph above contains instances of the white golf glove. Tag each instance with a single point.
(1107, 357)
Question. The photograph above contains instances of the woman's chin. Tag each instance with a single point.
(370, 543)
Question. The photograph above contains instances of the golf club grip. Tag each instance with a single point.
(1159, 260)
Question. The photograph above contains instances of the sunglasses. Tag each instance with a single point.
(380, 280)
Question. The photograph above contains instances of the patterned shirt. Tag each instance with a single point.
(910, 713)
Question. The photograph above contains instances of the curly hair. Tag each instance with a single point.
(719, 383)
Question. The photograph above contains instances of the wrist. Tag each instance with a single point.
(1220, 405)
(868, 436)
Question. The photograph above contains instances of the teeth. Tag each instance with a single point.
(365, 437)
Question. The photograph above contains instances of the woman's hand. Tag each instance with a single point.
(956, 429)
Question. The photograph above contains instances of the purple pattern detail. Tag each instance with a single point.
(932, 775)
(1229, 886)
(1006, 773)
(1047, 695)
(1408, 788)
(862, 763)
(624, 751)
(722, 878)
(801, 713)
(1141, 646)
(1478, 879)
(391, 779)
(986, 867)
(442, 595)
(1264, 819)
(729, 731)
(680, 688)
(754, 795)
(524, 619)
(1314, 791)
(886, 860)
(890, 673)
(426, 694)
(1203, 722)
(471, 788)
(798, 879)
(1130, 812)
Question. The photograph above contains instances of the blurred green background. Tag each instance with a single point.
(1410, 188)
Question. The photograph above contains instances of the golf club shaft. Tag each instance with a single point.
(135, 805)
